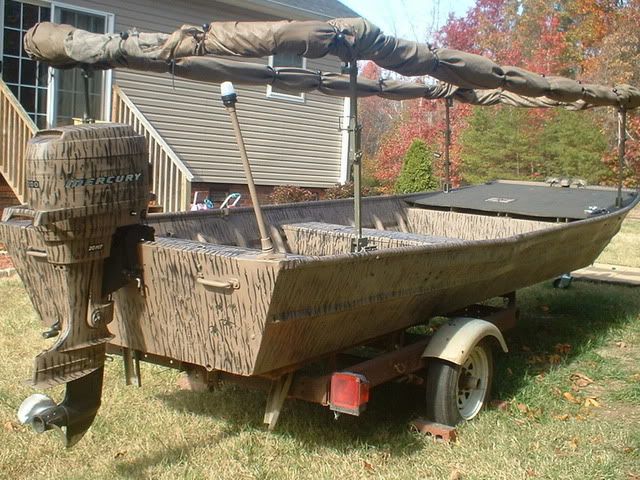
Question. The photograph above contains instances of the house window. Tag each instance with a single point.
(27, 79)
(286, 60)
(68, 99)
(50, 96)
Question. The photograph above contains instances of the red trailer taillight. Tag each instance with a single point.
(349, 393)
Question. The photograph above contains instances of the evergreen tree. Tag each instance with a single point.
(498, 143)
(417, 170)
(512, 144)
(572, 146)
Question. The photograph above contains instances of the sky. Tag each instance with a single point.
(410, 19)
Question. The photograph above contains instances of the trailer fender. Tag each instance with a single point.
(454, 340)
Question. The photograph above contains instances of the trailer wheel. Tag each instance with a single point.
(457, 393)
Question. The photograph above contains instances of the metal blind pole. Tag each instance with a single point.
(622, 137)
(448, 102)
(355, 155)
(229, 99)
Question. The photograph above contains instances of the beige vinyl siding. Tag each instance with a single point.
(288, 142)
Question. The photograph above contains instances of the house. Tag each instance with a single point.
(291, 139)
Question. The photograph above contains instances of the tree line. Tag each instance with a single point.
(595, 41)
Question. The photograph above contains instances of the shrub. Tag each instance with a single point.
(345, 190)
(290, 194)
(417, 171)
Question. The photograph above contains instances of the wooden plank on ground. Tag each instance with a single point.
(602, 272)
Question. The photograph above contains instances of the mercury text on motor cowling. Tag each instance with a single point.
(105, 180)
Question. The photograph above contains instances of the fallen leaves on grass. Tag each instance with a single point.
(11, 426)
(455, 475)
(586, 402)
(554, 359)
(532, 413)
(563, 418)
(580, 380)
(562, 348)
(572, 444)
(571, 398)
(536, 359)
(621, 345)
(591, 402)
(567, 446)
(597, 440)
(500, 404)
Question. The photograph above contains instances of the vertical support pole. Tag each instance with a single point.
(355, 156)
(622, 138)
(86, 117)
(448, 103)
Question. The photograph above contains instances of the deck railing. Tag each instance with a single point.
(171, 178)
(17, 129)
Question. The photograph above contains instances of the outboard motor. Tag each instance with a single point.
(87, 196)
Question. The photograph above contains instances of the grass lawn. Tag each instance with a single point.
(567, 407)
(570, 392)
(625, 246)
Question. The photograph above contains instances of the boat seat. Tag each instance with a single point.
(317, 238)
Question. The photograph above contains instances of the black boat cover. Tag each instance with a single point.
(521, 199)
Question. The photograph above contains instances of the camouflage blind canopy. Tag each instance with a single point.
(195, 53)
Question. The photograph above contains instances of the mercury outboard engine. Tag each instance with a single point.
(87, 196)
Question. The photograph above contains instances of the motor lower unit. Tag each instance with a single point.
(86, 186)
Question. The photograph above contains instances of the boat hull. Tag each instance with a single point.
(231, 308)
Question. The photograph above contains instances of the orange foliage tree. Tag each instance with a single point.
(591, 40)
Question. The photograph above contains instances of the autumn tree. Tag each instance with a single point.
(589, 40)
(377, 117)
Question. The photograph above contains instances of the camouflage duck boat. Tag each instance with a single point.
(255, 295)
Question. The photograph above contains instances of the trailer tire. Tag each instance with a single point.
(449, 400)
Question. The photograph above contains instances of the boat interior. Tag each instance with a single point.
(485, 212)
(327, 227)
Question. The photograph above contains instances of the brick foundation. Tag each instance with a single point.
(7, 197)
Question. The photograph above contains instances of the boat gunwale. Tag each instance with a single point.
(293, 260)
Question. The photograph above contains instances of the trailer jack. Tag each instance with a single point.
(73, 416)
